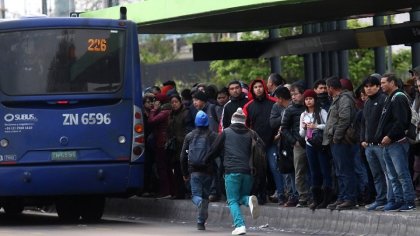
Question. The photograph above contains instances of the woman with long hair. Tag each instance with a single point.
(312, 123)
(180, 124)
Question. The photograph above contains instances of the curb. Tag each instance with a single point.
(349, 222)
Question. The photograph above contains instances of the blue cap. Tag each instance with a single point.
(201, 119)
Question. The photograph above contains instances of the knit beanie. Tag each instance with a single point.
(201, 119)
(309, 93)
(200, 96)
(238, 117)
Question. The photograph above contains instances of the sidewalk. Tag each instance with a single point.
(349, 222)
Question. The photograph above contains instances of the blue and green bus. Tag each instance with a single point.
(70, 109)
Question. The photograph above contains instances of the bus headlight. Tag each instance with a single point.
(4, 143)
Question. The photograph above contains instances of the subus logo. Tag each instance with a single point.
(19, 117)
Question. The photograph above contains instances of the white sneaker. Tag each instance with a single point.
(239, 231)
(254, 207)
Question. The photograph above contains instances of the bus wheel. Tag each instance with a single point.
(92, 208)
(13, 208)
(68, 210)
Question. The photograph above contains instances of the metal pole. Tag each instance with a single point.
(415, 47)
(380, 51)
(275, 63)
(2, 9)
(333, 54)
(308, 62)
(44, 7)
(317, 57)
(343, 55)
(325, 55)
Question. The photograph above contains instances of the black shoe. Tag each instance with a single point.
(201, 226)
(346, 205)
(334, 205)
(214, 198)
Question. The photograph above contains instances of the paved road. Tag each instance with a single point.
(39, 224)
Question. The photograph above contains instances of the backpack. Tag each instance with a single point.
(197, 150)
(257, 161)
(411, 131)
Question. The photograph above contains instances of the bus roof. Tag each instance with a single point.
(59, 22)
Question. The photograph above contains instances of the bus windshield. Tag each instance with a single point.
(61, 61)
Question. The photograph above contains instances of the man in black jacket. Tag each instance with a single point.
(290, 128)
(394, 121)
(370, 119)
(237, 99)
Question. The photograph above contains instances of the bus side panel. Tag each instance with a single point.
(82, 179)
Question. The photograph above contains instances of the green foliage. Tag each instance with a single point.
(155, 48)
(361, 64)
(249, 69)
(197, 38)
(401, 62)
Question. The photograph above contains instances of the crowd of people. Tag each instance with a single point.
(346, 147)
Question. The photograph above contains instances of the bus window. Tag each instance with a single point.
(77, 61)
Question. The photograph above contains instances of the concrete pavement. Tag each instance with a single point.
(349, 222)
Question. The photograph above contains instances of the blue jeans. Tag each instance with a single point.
(277, 176)
(377, 166)
(360, 169)
(396, 160)
(238, 187)
(319, 166)
(344, 169)
(200, 191)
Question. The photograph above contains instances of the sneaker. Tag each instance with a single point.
(411, 206)
(214, 198)
(302, 204)
(273, 198)
(393, 206)
(201, 226)
(239, 230)
(253, 207)
(375, 206)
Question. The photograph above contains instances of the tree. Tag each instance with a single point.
(156, 48)
(249, 69)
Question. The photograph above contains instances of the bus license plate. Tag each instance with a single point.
(64, 156)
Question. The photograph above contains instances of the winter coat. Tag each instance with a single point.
(234, 146)
(395, 118)
(340, 115)
(159, 118)
(371, 114)
(186, 168)
(258, 111)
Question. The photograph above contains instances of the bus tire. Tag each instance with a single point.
(92, 208)
(13, 208)
(68, 210)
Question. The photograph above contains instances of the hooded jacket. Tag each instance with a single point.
(258, 111)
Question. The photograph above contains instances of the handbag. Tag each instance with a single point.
(317, 138)
(170, 145)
